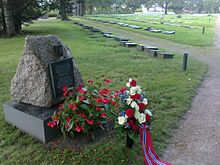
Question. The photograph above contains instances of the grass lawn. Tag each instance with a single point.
(169, 91)
(183, 35)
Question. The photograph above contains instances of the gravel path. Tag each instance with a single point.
(197, 141)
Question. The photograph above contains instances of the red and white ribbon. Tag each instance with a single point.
(150, 157)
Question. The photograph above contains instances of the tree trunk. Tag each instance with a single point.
(8, 17)
(90, 9)
(2, 20)
(63, 10)
(166, 8)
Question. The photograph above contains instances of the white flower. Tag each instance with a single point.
(121, 120)
(128, 84)
(133, 90)
(130, 80)
(147, 111)
(137, 114)
(134, 105)
(145, 101)
(142, 118)
(129, 100)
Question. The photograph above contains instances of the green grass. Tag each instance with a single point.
(169, 91)
(183, 35)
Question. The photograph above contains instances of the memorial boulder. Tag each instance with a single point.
(32, 81)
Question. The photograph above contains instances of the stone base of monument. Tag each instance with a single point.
(31, 120)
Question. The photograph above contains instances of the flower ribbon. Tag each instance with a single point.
(150, 157)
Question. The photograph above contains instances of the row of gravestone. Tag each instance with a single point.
(150, 50)
(150, 29)
(167, 24)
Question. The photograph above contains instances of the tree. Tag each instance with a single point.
(8, 18)
(16, 12)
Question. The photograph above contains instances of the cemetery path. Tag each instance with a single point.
(197, 141)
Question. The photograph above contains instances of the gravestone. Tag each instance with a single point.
(153, 53)
(45, 67)
(32, 83)
(140, 47)
(124, 42)
(130, 44)
(122, 39)
(165, 55)
(95, 30)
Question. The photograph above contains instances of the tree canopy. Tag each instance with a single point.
(13, 13)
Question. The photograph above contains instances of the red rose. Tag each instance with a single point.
(135, 97)
(105, 100)
(130, 123)
(81, 98)
(98, 100)
(130, 113)
(77, 129)
(66, 126)
(104, 91)
(135, 127)
(98, 108)
(65, 93)
(103, 115)
(70, 105)
(68, 119)
(79, 88)
(141, 106)
(107, 80)
(148, 118)
(65, 88)
(133, 83)
(113, 102)
(90, 122)
(73, 107)
(122, 90)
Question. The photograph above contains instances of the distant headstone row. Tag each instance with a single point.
(150, 29)
(144, 21)
(150, 50)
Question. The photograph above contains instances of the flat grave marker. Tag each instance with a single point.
(130, 44)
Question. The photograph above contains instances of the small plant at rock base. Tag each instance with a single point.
(84, 108)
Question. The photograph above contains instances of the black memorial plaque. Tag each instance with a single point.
(62, 74)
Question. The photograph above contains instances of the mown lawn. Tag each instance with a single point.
(169, 91)
(183, 35)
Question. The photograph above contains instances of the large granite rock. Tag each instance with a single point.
(31, 83)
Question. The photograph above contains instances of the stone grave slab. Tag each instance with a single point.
(125, 25)
(87, 27)
(107, 33)
(165, 55)
(156, 31)
(153, 53)
(122, 39)
(168, 32)
(146, 48)
(148, 28)
(130, 44)
(112, 22)
(140, 47)
(186, 26)
(95, 30)
(32, 120)
(123, 42)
